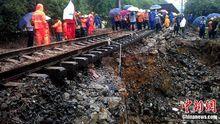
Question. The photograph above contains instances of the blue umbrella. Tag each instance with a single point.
(155, 7)
(213, 15)
(25, 20)
(127, 6)
(114, 12)
(197, 21)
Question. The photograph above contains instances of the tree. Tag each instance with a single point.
(202, 7)
(12, 10)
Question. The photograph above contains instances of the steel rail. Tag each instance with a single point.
(36, 66)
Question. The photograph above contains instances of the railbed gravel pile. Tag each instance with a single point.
(83, 100)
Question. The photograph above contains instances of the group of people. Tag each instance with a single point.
(80, 25)
(130, 21)
(83, 25)
(212, 27)
(151, 20)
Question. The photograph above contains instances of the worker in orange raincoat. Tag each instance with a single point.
(117, 19)
(58, 29)
(69, 29)
(41, 27)
(167, 21)
(90, 24)
(146, 20)
(140, 20)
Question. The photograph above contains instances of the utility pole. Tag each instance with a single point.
(118, 3)
(182, 5)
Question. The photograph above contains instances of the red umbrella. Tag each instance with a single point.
(124, 12)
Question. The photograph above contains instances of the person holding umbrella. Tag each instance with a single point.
(167, 21)
(114, 12)
(202, 26)
(70, 22)
(212, 28)
(25, 24)
(171, 17)
(90, 24)
(152, 17)
(117, 19)
(133, 20)
(182, 26)
(140, 20)
(146, 20)
(158, 23)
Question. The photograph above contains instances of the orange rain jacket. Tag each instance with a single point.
(117, 18)
(167, 22)
(40, 25)
(91, 26)
(58, 27)
(140, 17)
(69, 29)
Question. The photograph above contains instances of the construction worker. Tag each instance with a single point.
(83, 22)
(41, 27)
(90, 24)
(117, 19)
(140, 20)
(146, 20)
(65, 30)
(167, 21)
(58, 29)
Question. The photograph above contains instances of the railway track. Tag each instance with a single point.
(65, 56)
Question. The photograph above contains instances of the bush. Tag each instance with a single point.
(202, 7)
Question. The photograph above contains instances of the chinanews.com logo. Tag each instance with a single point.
(199, 110)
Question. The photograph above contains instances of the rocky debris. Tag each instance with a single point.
(38, 100)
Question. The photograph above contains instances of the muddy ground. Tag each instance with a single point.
(158, 75)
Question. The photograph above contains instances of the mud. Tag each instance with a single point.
(160, 73)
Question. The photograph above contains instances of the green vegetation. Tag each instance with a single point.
(202, 7)
(12, 10)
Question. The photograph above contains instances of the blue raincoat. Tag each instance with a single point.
(171, 16)
(152, 16)
(98, 21)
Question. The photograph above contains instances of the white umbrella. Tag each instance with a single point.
(133, 9)
(175, 14)
(47, 18)
(142, 11)
(155, 7)
(69, 11)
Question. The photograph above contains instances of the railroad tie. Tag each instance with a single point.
(99, 54)
(105, 51)
(91, 41)
(82, 61)
(92, 57)
(110, 48)
(80, 44)
(71, 67)
(57, 75)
